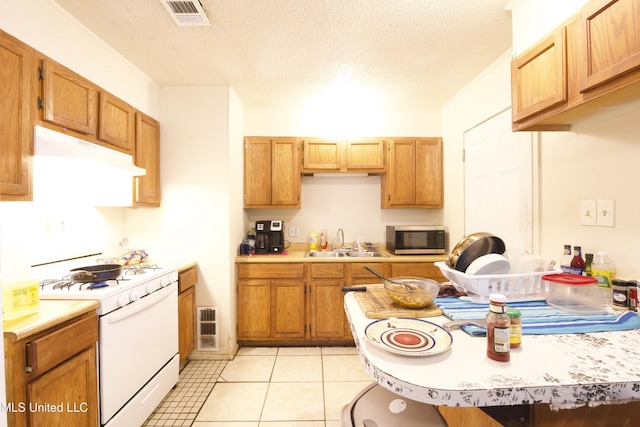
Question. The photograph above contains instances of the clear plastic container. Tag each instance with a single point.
(604, 270)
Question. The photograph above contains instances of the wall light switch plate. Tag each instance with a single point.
(588, 212)
(606, 213)
(294, 231)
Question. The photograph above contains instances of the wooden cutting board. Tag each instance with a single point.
(376, 304)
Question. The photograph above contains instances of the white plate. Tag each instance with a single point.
(409, 337)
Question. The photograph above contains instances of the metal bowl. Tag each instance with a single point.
(474, 246)
(419, 294)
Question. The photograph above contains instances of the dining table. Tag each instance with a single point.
(563, 371)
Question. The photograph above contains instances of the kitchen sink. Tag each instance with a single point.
(354, 254)
(325, 254)
(366, 254)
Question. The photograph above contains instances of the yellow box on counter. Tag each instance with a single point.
(20, 299)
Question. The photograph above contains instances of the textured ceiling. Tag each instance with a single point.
(279, 53)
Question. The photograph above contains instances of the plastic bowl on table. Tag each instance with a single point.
(420, 294)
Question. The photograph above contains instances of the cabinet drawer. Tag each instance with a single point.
(419, 269)
(52, 349)
(271, 271)
(327, 270)
(358, 270)
(187, 279)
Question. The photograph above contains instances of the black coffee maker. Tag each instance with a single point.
(269, 237)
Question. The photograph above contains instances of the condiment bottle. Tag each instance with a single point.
(587, 264)
(515, 329)
(577, 263)
(620, 295)
(605, 271)
(565, 261)
(633, 295)
(323, 240)
(498, 329)
(313, 241)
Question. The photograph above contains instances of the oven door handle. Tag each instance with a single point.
(140, 305)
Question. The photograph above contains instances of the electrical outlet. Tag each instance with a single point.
(606, 213)
(56, 225)
(588, 213)
(294, 231)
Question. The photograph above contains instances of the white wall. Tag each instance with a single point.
(200, 217)
(484, 97)
(350, 203)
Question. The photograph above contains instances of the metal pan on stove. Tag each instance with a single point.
(95, 273)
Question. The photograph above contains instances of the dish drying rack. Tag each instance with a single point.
(516, 287)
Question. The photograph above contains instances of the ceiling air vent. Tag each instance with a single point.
(188, 13)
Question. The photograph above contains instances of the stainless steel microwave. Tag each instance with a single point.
(415, 239)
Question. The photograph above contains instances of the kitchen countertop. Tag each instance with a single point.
(565, 371)
(51, 313)
(297, 251)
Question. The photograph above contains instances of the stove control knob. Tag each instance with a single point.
(164, 281)
(123, 300)
(152, 287)
(135, 296)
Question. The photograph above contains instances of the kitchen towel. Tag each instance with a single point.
(538, 318)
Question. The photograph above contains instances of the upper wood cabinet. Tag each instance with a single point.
(146, 188)
(68, 99)
(611, 36)
(539, 76)
(271, 172)
(74, 103)
(414, 177)
(18, 72)
(117, 122)
(327, 155)
(601, 67)
(324, 155)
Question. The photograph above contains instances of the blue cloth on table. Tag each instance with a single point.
(539, 318)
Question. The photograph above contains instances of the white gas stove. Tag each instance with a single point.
(134, 283)
(138, 322)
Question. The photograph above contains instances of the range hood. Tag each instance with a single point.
(81, 154)
(70, 171)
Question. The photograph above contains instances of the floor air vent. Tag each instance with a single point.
(208, 329)
(187, 13)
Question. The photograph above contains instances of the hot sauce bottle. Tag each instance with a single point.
(498, 329)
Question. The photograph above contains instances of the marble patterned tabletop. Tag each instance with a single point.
(565, 371)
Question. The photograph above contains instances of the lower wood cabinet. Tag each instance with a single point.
(52, 376)
(328, 320)
(418, 269)
(187, 280)
(271, 302)
(303, 303)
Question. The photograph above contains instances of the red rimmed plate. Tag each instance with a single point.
(409, 337)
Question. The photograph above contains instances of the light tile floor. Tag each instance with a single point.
(265, 387)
